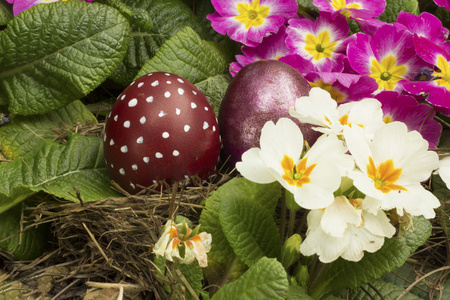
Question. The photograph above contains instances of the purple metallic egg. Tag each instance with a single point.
(261, 91)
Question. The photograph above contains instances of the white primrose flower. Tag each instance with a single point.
(179, 244)
(311, 178)
(444, 170)
(344, 230)
(320, 109)
(391, 169)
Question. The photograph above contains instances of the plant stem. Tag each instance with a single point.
(291, 223)
(283, 215)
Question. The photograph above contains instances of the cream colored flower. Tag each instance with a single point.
(180, 244)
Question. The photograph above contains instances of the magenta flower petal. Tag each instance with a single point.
(417, 116)
(356, 9)
(248, 21)
(425, 25)
(443, 3)
(303, 66)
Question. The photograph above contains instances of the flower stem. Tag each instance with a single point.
(283, 215)
(291, 224)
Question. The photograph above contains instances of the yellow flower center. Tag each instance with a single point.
(252, 15)
(296, 175)
(443, 75)
(388, 73)
(387, 119)
(384, 176)
(342, 4)
(320, 46)
(334, 93)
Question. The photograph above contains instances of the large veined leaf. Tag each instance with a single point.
(168, 17)
(345, 274)
(223, 264)
(25, 135)
(388, 290)
(250, 229)
(53, 54)
(6, 13)
(73, 171)
(394, 7)
(24, 246)
(201, 62)
(266, 279)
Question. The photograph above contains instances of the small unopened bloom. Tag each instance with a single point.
(180, 244)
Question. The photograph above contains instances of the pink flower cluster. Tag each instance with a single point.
(21, 5)
(403, 64)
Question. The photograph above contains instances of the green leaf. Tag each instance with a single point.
(6, 13)
(193, 274)
(201, 62)
(394, 7)
(250, 229)
(24, 246)
(388, 290)
(168, 17)
(53, 54)
(26, 135)
(345, 274)
(223, 265)
(296, 292)
(266, 279)
(60, 170)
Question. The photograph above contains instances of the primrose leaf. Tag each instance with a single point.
(345, 274)
(388, 290)
(168, 17)
(25, 246)
(193, 274)
(53, 54)
(25, 135)
(61, 170)
(201, 62)
(6, 13)
(266, 279)
(250, 229)
(394, 7)
(222, 261)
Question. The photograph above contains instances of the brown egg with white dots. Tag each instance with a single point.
(161, 127)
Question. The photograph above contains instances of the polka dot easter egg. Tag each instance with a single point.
(161, 127)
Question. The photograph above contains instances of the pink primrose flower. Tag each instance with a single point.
(248, 21)
(387, 56)
(320, 41)
(425, 25)
(354, 9)
(417, 116)
(271, 47)
(438, 89)
(21, 5)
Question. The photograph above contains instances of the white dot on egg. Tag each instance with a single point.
(155, 83)
(180, 80)
(124, 149)
(169, 82)
(123, 97)
(162, 114)
(146, 159)
(158, 155)
(112, 166)
(140, 84)
(109, 115)
(194, 92)
(193, 105)
(186, 128)
(149, 99)
(175, 153)
(167, 94)
(133, 102)
(134, 167)
(177, 111)
(149, 74)
(126, 124)
(206, 108)
(167, 74)
(165, 135)
(104, 138)
(205, 125)
(132, 185)
(214, 128)
(140, 140)
(142, 120)
(116, 117)
(180, 91)
(122, 171)
(111, 142)
(132, 83)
